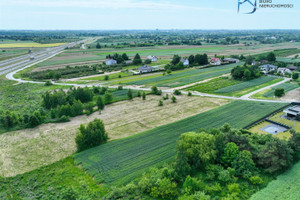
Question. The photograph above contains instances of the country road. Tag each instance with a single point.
(10, 72)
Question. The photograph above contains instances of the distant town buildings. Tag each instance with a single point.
(284, 71)
(268, 68)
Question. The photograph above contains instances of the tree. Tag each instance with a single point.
(77, 108)
(89, 108)
(173, 99)
(106, 77)
(271, 57)
(154, 89)
(98, 46)
(137, 59)
(129, 94)
(294, 143)
(279, 92)
(35, 119)
(160, 103)
(295, 76)
(169, 71)
(147, 61)
(231, 152)
(191, 59)
(92, 135)
(275, 156)
(100, 103)
(124, 56)
(244, 165)
(144, 96)
(198, 149)
(249, 60)
(177, 92)
(108, 98)
(175, 59)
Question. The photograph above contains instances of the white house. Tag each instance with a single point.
(145, 69)
(215, 61)
(152, 58)
(185, 61)
(110, 61)
(268, 68)
(293, 111)
(284, 71)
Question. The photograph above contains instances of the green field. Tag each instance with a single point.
(213, 85)
(286, 86)
(289, 60)
(178, 78)
(67, 61)
(248, 86)
(121, 161)
(285, 187)
(56, 181)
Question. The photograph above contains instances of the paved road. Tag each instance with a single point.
(23, 62)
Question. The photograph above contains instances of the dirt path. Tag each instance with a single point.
(293, 95)
(25, 150)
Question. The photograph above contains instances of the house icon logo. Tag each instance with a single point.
(250, 5)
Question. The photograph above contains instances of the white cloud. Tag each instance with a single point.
(113, 4)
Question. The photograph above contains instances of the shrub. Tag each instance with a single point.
(189, 94)
(48, 83)
(173, 99)
(64, 119)
(108, 98)
(256, 180)
(90, 136)
(177, 92)
(279, 92)
(160, 103)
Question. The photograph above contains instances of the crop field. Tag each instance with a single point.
(67, 61)
(213, 85)
(288, 60)
(237, 90)
(28, 44)
(286, 86)
(121, 161)
(286, 186)
(179, 78)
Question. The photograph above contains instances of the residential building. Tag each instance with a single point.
(185, 61)
(152, 58)
(145, 69)
(231, 60)
(268, 68)
(215, 61)
(284, 71)
(293, 111)
(110, 61)
(293, 68)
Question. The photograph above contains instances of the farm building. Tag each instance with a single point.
(152, 58)
(284, 71)
(268, 68)
(292, 68)
(293, 111)
(110, 61)
(145, 69)
(215, 61)
(231, 60)
(128, 62)
(185, 61)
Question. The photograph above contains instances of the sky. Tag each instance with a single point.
(143, 14)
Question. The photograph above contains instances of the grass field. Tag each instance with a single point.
(28, 149)
(121, 161)
(178, 78)
(257, 129)
(286, 86)
(289, 60)
(28, 44)
(213, 85)
(286, 186)
(248, 86)
(56, 181)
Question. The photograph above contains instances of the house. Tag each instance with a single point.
(253, 62)
(231, 60)
(185, 61)
(292, 68)
(293, 111)
(268, 68)
(284, 71)
(145, 69)
(215, 61)
(110, 61)
(128, 62)
(152, 58)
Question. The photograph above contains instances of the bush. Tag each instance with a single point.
(48, 83)
(173, 99)
(256, 180)
(64, 119)
(279, 92)
(177, 92)
(160, 103)
(90, 136)
(189, 94)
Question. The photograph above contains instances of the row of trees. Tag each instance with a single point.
(245, 72)
(219, 163)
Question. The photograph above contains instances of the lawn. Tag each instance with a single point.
(286, 186)
(121, 161)
(178, 78)
(213, 85)
(294, 124)
(56, 181)
(28, 44)
(248, 86)
(111, 76)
